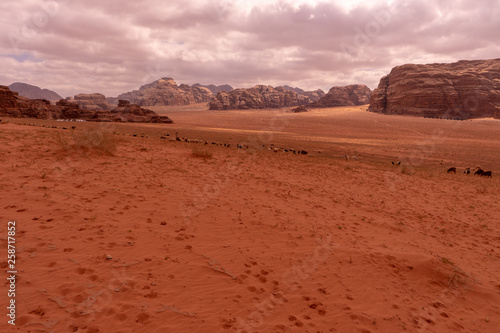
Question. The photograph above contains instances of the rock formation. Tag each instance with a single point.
(93, 102)
(461, 90)
(132, 113)
(356, 94)
(166, 92)
(312, 96)
(213, 88)
(305, 97)
(294, 89)
(258, 97)
(34, 92)
(13, 105)
(299, 109)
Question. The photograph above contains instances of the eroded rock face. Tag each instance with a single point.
(13, 105)
(461, 90)
(258, 97)
(9, 105)
(313, 96)
(166, 92)
(93, 102)
(356, 94)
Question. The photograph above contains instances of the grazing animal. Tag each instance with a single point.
(479, 172)
(467, 171)
(452, 170)
(486, 174)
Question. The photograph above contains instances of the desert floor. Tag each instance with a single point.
(117, 233)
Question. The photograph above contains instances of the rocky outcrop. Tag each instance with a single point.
(356, 94)
(299, 109)
(34, 92)
(312, 96)
(93, 102)
(213, 88)
(258, 97)
(166, 92)
(461, 90)
(132, 113)
(8, 101)
(305, 97)
(13, 105)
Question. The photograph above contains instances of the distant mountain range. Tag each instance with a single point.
(34, 92)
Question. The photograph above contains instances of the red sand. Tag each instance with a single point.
(153, 239)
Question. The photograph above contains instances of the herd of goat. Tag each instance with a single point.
(468, 171)
(478, 171)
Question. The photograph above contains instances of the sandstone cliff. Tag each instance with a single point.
(13, 105)
(93, 102)
(260, 97)
(166, 92)
(356, 94)
(312, 96)
(461, 90)
(306, 97)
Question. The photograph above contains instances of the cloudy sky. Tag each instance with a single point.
(114, 46)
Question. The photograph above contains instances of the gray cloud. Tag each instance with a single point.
(114, 46)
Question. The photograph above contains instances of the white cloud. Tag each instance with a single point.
(114, 46)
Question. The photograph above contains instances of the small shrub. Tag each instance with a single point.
(91, 140)
(407, 170)
(202, 152)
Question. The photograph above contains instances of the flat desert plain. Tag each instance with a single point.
(123, 233)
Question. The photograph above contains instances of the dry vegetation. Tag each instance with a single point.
(87, 141)
(202, 152)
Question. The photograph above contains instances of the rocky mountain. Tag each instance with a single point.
(34, 92)
(13, 105)
(262, 97)
(94, 102)
(356, 94)
(165, 92)
(460, 90)
(213, 88)
(314, 95)
(258, 97)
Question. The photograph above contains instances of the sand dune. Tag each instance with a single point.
(151, 238)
